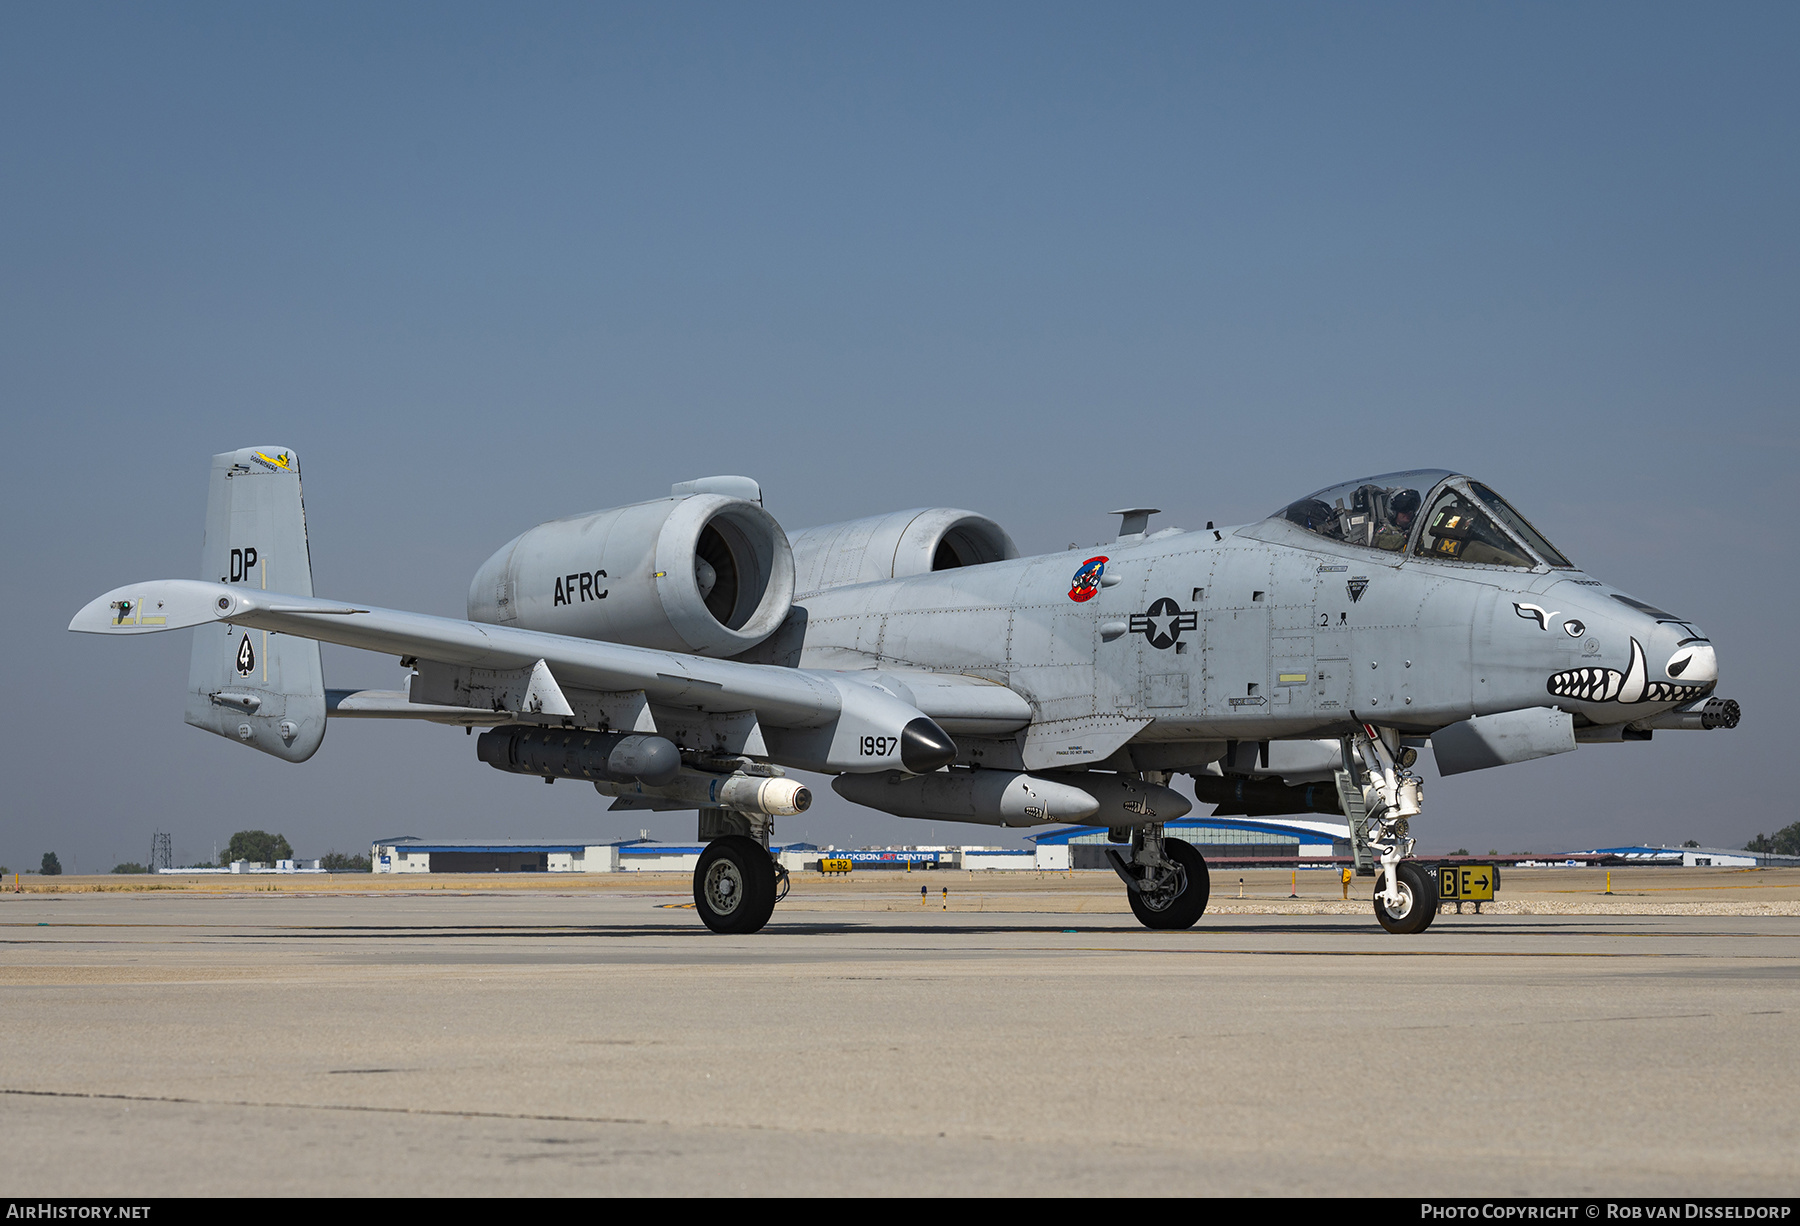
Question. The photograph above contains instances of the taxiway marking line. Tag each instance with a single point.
(239, 1102)
(1024, 950)
(1412, 953)
(454, 1113)
(1675, 889)
(253, 928)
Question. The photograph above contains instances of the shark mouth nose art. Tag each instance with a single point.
(1632, 685)
(1696, 663)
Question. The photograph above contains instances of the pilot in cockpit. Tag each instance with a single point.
(1403, 508)
(1467, 522)
(1371, 513)
(1381, 517)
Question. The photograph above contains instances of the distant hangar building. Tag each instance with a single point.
(1242, 840)
(1693, 857)
(1237, 840)
(410, 854)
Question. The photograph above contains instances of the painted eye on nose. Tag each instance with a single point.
(1694, 663)
(1574, 628)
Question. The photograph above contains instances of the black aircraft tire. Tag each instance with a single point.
(1428, 886)
(734, 885)
(1185, 910)
(1420, 887)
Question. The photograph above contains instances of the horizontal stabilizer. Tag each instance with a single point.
(176, 604)
(151, 607)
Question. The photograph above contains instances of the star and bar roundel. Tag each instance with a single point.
(1163, 623)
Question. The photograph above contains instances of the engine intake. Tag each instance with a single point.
(704, 572)
(895, 546)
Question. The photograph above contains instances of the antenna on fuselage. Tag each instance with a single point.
(1134, 521)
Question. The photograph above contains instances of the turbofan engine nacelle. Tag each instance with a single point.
(897, 546)
(709, 573)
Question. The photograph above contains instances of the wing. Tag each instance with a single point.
(812, 719)
(960, 704)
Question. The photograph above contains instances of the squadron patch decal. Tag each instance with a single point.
(1163, 623)
(282, 462)
(1086, 583)
(246, 658)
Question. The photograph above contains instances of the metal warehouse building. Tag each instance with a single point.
(410, 854)
(1233, 839)
(1217, 838)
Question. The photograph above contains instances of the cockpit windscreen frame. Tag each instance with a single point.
(1426, 513)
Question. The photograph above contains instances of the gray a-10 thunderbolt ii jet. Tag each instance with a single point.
(680, 653)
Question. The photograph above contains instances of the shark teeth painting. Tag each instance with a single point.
(1611, 685)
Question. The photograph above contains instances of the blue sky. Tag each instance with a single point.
(482, 266)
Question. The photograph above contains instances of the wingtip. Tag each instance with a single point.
(150, 607)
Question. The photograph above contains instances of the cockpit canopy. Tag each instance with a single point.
(1440, 514)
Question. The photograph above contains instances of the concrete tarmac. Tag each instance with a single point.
(600, 1041)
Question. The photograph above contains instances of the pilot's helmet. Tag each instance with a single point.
(1405, 504)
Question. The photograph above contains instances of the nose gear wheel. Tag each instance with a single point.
(1419, 899)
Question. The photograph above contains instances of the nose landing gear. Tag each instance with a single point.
(1406, 896)
(1418, 900)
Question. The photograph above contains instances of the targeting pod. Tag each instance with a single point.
(772, 796)
(992, 797)
(1014, 798)
(554, 753)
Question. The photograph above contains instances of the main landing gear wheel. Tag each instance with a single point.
(1175, 907)
(734, 885)
(1418, 899)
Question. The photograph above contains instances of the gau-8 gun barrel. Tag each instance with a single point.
(1696, 716)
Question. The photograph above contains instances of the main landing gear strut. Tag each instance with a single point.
(1166, 880)
(1406, 896)
(737, 882)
